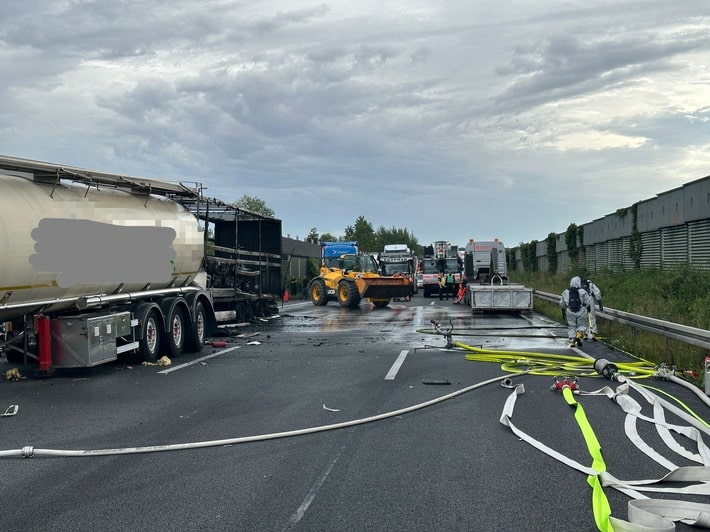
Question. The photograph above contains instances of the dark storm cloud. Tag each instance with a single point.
(306, 103)
(565, 66)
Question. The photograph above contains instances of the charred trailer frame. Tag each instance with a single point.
(242, 261)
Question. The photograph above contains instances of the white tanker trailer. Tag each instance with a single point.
(93, 265)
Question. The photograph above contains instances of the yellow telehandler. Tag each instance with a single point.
(349, 277)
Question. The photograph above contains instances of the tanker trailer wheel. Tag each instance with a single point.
(318, 293)
(149, 343)
(348, 295)
(175, 333)
(196, 331)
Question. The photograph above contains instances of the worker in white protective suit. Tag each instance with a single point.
(574, 302)
(595, 296)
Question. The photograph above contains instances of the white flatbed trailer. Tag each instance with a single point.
(499, 298)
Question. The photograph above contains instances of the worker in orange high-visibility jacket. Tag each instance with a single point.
(462, 290)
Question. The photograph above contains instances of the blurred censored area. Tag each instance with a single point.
(89, 252)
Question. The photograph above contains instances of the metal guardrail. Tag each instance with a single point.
(676, 331)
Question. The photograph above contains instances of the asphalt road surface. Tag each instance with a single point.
(323, 419)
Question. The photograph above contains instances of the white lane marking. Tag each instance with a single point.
(392, 373)
(298, 515)
(186, 364)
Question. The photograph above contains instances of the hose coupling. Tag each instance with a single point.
(447, 333)
(663, 371)
(562, 382)
(606, 369)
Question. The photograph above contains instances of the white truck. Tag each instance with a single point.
(488, 289)
(398, 259)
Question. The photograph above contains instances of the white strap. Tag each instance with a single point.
(644, 514)
(506, 419)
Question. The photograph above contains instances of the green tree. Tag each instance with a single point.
(571, 238)
(327, 237)
(255, 205)
(552, 253)
(510, 259)
(635, 245)
(370, 240)
(395, 235)
(312, 236)
(363, 233)
(529, 255)
(312, 268)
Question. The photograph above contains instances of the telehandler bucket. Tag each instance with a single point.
(384, 287)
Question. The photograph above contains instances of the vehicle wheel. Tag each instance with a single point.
(149, 344)
(348, 295)
(197, 330)
(176, 330)
(380, 304)
(318, 293)
(426, 292)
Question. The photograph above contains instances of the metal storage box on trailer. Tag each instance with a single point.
(509, 297)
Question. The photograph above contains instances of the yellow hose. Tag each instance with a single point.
(549, 363)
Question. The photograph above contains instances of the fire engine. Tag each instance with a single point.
(440, 256)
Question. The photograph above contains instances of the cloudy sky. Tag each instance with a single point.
(454, 119)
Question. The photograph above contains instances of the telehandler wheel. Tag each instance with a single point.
(319, 295)
(348, 294)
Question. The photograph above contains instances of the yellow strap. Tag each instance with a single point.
(600, 504)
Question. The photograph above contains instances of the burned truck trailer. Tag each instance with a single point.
(95, 264)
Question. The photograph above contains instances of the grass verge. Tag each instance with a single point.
(679, 296)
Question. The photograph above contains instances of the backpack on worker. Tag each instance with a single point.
(575, 302)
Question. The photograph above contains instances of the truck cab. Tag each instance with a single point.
(399, 260)
(357, 263)
(485, 261)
